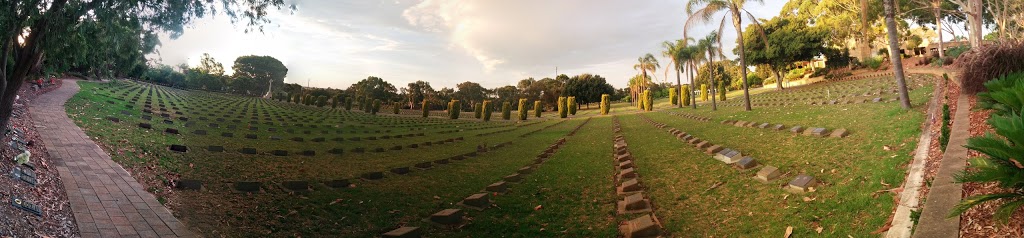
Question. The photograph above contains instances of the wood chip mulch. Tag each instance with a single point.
(978, 222)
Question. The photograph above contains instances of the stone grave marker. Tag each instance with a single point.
(338, 183)
(779, 127)
(248, 151)
(767, 173)
(802, 183)
(840, 133)
(818, 131)
(746, 163)
(199, 132)
(643, 226)
(629, 187)
(247, 186)
(179, 148)
(477, 201)
(796, 129)
(372, 175)
(447, 217)
(513, 178)
(635, 203)
(171, 131)
(625, 164)
(497, 187)
(404, 232)
(227, 134)
(296, 185)
(713, 149)
(400, 170)
(145, 126)
(728, 156)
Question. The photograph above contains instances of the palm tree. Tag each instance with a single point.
(645, 63)
(708, 45)
(676, 52)
(736, 10)
(696, 53)
(894, 53)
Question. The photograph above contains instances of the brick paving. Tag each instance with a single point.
(105, 199)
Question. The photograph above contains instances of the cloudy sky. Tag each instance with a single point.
(334, 43)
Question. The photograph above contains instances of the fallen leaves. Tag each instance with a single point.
(789, 232)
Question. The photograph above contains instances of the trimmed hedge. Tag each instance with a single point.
(703, 92)
(721, 91)
(506, 111)
(487, 110)
(537, 108)
(376, 107)
(348, 104)
(454, 109)
(426, 108)
(606, 103)
(563, 111)
(522, 109)
(673, 96)
(477, 110)
(686, 95)
(944, 136)
(395, 107)
(648, 100)
(572, 105)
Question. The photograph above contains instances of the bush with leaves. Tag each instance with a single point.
(721, 92)
(944, 132)
(478, 110)
(522, 109)
(685, 96)
(348, 104)
(606, 104)
(454, 109)
(1002, 163)
(672, 96)
(648, 101)
(703, 92)
(563, 107)
(376, 107)
(572, 105)
(506, 111)
(425, 106)
(321, 101)
(989, 62)
(537, 109)
(395, 107)
(487, 110)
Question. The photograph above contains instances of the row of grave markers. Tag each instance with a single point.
(24, 170)
(801, 183)
(631, 191)
(455, 217)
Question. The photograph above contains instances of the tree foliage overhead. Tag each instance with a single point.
(265, 73)
(791, 41)
(587, 88)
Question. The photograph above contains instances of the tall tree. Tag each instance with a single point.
(265, 72)
(469, 93)
(209, 65)
(894, 54)
(375, 88)
(791, 40)
(417, 92)
(676, 51)
(736, 11)
(708, 45)
(644, 64)
(587, 88)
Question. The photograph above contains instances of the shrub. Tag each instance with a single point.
(648, 100)
(563, 111)
(396, 107)
(987, 63)
(522, 109)
(376, 107)
(487, 110)
(606, 103)
(572, 105)
(703, 92)
(321, 101)
(686, 95)
(537, 108)
(944, 136)
(672, 96)
(721, 92)
(477, 110)
(348, 104)
(874, 63)
(334, 103)
(426, 108)
(506, 111)
(754, 81)
(456, 109)
(954, 52)
(1001, 164)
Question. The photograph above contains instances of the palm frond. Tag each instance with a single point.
(972, 201)
(1005, 211)
(760, 29)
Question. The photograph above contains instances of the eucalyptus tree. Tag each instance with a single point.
(736, 11)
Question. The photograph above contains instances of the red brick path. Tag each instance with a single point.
(106, 200)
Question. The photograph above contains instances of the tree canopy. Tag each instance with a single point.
(790, 40)
(375, 88)
(265, 73)
(587, 88)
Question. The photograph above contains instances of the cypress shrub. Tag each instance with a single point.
(563, 110)
(572, 105)
(648, 100)
(537, 108)
(478, 110)
(944, 136)
(487, 110)
(348, 104)
(522, 109)
(506, 111)
(721, 91)
(376, 106)
(672, 96)
(703, 92)
(396, 106)
(321, 101)
(606, 103)
(685, 95)
(334, 103)
(455, 109)
(426, 108)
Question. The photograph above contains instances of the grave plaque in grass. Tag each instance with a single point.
(214, 125)
(372, 175)
(297, 139)
(876, 100)
(338, 183)
(477, 201)
(778, 127)
(497, 187)
(819, 132)
(248, 151)
(704, 145)
(232, 127)
(145, 126)
(746, 163)
(400, 170)
(635, 203)
(629, 187)
(625, 164)
(840, 133)
(178, 148)
(447, 217)
(296, 185)
(164, 115)
(728, 156)
(796, 129)
(114, 119)
(169, 122)
(767, 173)
(279, 152)
(250, 187)
(379, 149)
(147, 110)
(802, 183)
(227, 134)
(424, 165)
(215, 148)
(643, 226)
(404, 232)
(251, 136)
(171, 131)
(272, 129)
(626, 174)
(763, 125)
(189, 184)
(146, 117)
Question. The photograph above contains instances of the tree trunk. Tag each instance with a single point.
(778, 78)
(937, 11)
(894, 54)
(737, 22)
(693, 96)
(862, 44)
(711, 79)
(974, 22)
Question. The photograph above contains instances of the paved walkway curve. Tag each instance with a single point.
(106, 200)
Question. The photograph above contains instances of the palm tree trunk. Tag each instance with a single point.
(679, 87)
(894, 54)
(737, 21)
(711, 79)
(693, 96)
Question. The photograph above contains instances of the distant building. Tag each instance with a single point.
(933, 48)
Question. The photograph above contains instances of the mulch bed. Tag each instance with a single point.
(978, 222)
(57, 219)
(952, 93)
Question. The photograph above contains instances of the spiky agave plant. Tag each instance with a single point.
(1004, 152)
